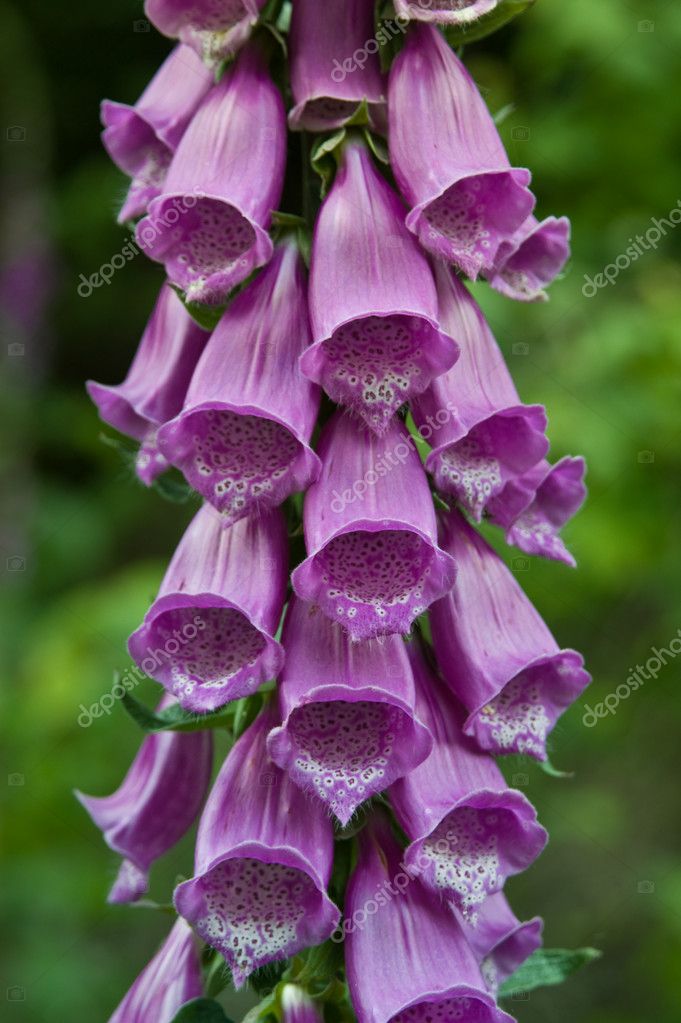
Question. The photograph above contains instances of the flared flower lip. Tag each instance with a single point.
(534, 835)
(111, 110)
(414, 218)
(257, 255)
(327, 915)
(456, 991)
(526, 937)
(420, 741)
(509, 250)
(306, 460)
(117, 411)
(91, 804)
(527, 412)
(311, 360)
(573, 682)
(443, 560)
(298, 119)
(272, 657)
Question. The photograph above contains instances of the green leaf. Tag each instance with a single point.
(377, 147)
(175, 719)
(507, 10)
(201, 1010)
(547, 966)
(207, 316)
(324, 155)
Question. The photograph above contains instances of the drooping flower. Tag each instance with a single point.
(489, 437)
(500, 941)
(263, 861)
(469, 831)
(154, 389)
(297, 1006)
(207, 637)
(172, 978)
(406, 957)
(448, 159)
(373, 306)
(154, 806)
(373, 561)
(141, 139)
(527, 263)
(209, 224)
(534, 508)
(349, 727)
(242, 438)
(447, 12)
(327, 82)
(215, 29)
(496, 652)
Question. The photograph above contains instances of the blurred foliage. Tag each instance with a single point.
(595, 114)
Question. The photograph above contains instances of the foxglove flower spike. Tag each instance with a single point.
(208, 636)
(154, 806)
(263, 862)
(497, 654)
(373, 562)
(242, 438)
(448, 159)
(349, 727)
(156, 384)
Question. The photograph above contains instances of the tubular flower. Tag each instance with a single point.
(327, 93)
(263, 862)
(172, 978)
(141, 139)
(373, 306)
(373, 561)
(209, 224)
(207, 637)
(215, 29)
(242, 438)
(447, 12)
(497, 654)
(406, 957)
(448, 159)
(531, 260)
(469, 831)
(500, 941)
(154, 389)
(297, 1006)
(533, 508)
(154, 806)
(490, 438)
(349, 727)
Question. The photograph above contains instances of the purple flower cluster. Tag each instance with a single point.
(377, 708)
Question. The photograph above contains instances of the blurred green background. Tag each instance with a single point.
(598, 119)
